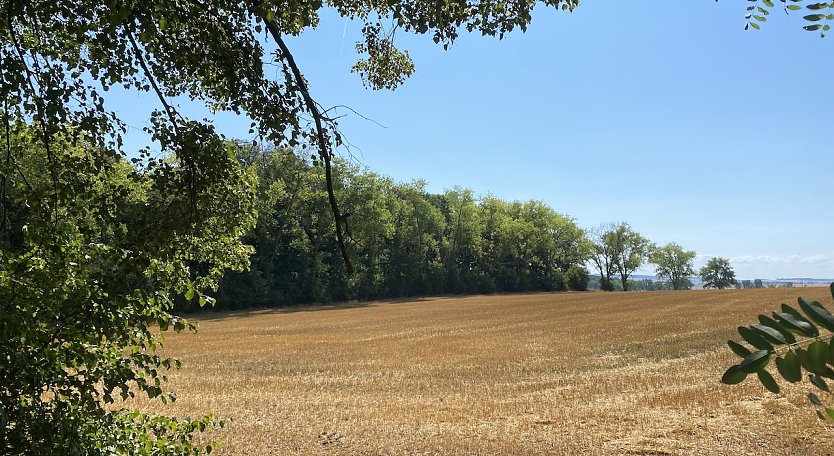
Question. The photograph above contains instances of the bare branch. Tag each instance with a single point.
(353, 111)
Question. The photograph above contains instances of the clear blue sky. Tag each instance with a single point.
(666, 115)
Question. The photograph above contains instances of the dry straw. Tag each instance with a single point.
(567, 373)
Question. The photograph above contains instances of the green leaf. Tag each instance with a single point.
(767, 321)
(789, 367)
(814, 399)
(124, 13)
(755, 361)
(811, 28)
(831, 352)
(770, 334)
(793, 7)
(830, 413)
(790, 310)
(768, 3)
(814, 17)
(796, 325)
(817, 381)
(768, 381)
(827, 373)
(738, 349)
(817, 356)
(817, 313)
(802, 354)
(733, 375)
(754, 25)
(753, 338)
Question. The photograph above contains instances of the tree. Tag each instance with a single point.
(603, 254)
(673, 263)
(718, 273)
(630, 250)
(94, 254)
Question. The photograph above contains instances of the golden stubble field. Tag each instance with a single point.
(564, 373)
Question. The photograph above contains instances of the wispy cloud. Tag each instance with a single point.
(815, 259)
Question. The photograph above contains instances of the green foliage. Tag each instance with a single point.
(822, 12)
(386, 66)
(404, 241)
(618, 248)
(649, 285)
(603, 254)
(94, 252)
(577, 278)
(673, 263)
(718, 273)
(798, 341)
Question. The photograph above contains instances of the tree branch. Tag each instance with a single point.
(172, 116)
(323, 145)
(169, 110)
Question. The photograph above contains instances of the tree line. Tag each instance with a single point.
(617, 251)
(402, 240)
(406, 241)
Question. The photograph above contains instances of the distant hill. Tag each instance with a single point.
(697, 280)
(806, 280)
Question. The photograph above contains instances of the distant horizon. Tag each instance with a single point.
(695, 278)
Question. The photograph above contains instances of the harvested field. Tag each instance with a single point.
(565, 373)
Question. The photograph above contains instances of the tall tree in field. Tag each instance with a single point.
(603, 255)
(718, 273)
(673, 263)
(630, 249)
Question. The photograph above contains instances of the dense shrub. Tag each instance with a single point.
(577, 278)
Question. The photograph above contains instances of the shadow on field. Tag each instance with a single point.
(209, 315)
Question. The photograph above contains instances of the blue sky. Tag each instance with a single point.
(666, 115)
